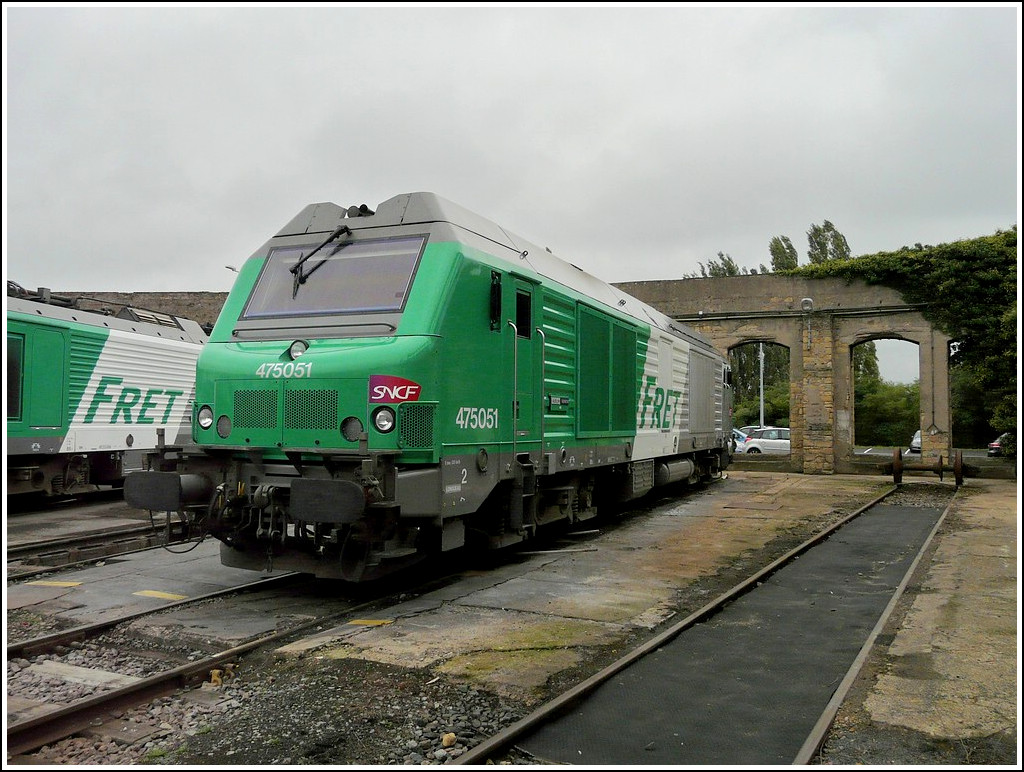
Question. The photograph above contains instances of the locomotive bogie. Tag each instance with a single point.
(386, 386)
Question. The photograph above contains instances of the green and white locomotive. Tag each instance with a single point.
(381, 386)
(86, 389)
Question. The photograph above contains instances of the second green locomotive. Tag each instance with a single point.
(384, 385)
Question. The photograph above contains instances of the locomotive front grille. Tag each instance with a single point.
(255, 409)
(311, 409)
(416, 425)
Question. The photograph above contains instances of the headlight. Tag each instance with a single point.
(297, 349)
(223, 427)
(384, 419)
(205, 416)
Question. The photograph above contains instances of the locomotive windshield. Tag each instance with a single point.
(355, 277)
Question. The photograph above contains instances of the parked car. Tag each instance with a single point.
(748, 430)
(739, 438)
(995, 448)
(768, 440)
(915, 443)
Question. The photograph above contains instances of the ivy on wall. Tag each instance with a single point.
(970, 291)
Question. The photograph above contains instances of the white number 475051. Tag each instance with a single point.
(477, 418)
(285, 370)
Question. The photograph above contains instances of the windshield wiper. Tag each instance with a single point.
(300, 277)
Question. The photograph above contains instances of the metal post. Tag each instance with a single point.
(760, 358)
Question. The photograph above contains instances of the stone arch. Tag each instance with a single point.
(933, 368)
(768, 342)
(872, 338)
(777, 335)
(819, 320)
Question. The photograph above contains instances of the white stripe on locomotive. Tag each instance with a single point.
(139, 385)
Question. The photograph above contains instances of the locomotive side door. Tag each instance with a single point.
(527, 350)
(37, 388)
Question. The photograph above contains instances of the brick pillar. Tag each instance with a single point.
(936, 414)
(816, 387)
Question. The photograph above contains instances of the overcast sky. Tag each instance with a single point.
(146, 148)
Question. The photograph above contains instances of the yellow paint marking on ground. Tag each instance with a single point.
(370, 622)
(47, 583)
(158, 594)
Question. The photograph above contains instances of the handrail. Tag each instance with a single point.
(515, 383)
(540, 395)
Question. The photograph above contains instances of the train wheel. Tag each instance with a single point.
(897, 466)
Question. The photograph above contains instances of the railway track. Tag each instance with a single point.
(116, 692)
(27, 503)
(43, 556)
(67, 532)
(703, 692)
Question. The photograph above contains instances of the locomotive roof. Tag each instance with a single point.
(138, 321)
(425, 208)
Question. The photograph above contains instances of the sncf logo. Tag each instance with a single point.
(391, 388)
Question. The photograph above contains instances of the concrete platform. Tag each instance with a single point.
(952, 669)
(80, 520)
(135, 582)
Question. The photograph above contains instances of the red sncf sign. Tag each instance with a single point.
(391, 388)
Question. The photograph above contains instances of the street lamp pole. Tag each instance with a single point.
(760, 361)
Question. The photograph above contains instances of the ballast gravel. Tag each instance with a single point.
(298, 712)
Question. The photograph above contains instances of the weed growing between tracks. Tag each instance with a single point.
(24, 624)
(856, 740)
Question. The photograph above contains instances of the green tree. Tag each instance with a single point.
(865, 362)
(825, 243)
(972, 407)
(784, 256)
(885, 413)
(746, 373)
(724, 265)
(776, 407)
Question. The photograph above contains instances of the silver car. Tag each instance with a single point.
(740, 439)
(770, 439)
